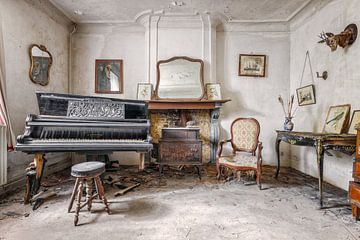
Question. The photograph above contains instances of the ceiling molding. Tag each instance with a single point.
(149, 12)
(62, 10)
(300, 9)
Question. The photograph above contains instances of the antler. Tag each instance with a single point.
(323, 37)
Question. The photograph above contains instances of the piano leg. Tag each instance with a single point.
(142, 162)
(33, 176)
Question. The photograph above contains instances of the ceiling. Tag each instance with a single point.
(92, 11)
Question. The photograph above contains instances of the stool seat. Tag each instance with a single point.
(88, 169)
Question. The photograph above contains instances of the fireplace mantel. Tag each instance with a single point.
(213, 107)
(185, 104)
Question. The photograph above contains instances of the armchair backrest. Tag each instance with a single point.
(245, 134)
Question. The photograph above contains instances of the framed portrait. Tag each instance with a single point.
(213, 91)
(355, 122)
(109, 76)
(144, 91)
(337, 119)
(306, 95)
(252, 65)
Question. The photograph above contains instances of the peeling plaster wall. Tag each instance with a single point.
(25, 23)
(252, 96)
(341, 87)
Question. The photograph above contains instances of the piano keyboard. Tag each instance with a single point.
(79, 140)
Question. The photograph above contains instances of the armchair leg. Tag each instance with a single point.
(258, 178)
(218, 170)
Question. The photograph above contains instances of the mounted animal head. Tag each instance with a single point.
(343, 39)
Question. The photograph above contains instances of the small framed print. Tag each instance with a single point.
(337, 119)
(213, 91)
(144, 91)
(108, 76)
(306, 95)
(252, 65)
(355, 122)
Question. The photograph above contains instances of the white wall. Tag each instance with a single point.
(341, 87)
(253, 96)
(25, 23)
(103, 41)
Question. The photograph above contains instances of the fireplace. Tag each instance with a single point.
(205, 114)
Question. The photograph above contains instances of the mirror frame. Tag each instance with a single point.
(183, 58)
(42, 48)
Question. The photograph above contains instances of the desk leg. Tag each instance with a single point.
(277, 148)
(320, 163)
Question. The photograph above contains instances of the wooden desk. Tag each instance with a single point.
(339, 142)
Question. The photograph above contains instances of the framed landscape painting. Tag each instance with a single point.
(306, 95)
(108, 76)
(252, 65)
(337, 119)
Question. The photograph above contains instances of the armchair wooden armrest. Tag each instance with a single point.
(260, 148)
(221, 146)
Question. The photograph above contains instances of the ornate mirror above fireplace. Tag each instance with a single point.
(180, 78)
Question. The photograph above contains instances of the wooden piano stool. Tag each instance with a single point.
(87, 174)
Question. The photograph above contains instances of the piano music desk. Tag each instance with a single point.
(321, 141)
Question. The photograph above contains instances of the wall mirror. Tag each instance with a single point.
(180, 78)
(40, 63)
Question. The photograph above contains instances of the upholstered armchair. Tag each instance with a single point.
(244, 141)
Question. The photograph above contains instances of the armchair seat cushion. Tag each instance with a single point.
(239, 160)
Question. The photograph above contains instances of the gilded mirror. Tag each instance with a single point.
(180, 78)
(40, 63)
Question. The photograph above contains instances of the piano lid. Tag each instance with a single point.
(89, 107)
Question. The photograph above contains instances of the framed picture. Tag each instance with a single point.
(213, 91)
(144, 91)
(109, 76)
(306, 95)
(252, 65)
(337, 119)
(355, 122)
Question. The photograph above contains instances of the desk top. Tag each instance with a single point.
(315, 135)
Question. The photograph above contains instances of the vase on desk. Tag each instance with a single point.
(288, 124)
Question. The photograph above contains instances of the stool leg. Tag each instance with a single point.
(102, 193)
(77, 210)
(73, 195)
(89, 185)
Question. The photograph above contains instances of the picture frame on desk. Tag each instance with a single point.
(337, 119)
(355, 122)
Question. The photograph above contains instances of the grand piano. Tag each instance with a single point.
(94, 126)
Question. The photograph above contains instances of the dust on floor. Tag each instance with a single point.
(180, 206)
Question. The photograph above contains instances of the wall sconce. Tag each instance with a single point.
(323, 76)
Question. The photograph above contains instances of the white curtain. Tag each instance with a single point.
(4, 114)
